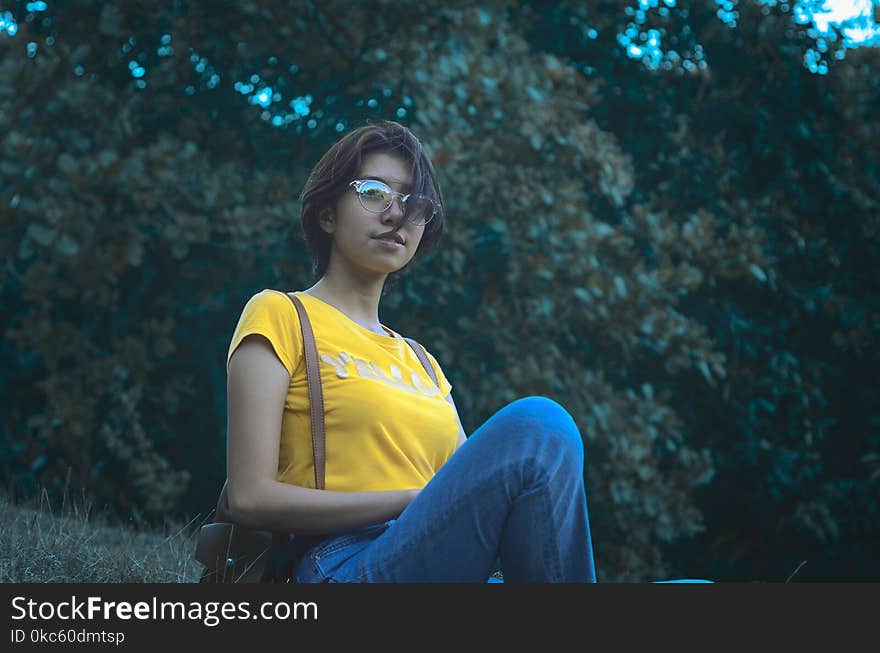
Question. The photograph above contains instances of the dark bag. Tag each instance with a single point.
(231, 553)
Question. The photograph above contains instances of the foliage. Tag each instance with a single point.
(713, 340)
(781, 161)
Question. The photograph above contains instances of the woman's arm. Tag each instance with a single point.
(256, 389)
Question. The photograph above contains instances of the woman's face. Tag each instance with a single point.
(354, 229)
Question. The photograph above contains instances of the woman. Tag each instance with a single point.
(408, 497)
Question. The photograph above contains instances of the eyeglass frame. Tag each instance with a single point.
(356, 184)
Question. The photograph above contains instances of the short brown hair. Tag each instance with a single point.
(339, 165)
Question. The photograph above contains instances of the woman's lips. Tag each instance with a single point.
(390, 243)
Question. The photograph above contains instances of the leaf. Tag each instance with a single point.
(67, 164)
(135, 253)
(704, 370)
(758, 273)
(68, 246)
(41, 234)
(582, 294)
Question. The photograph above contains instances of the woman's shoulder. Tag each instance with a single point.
(272, 305)
(270, 297)
(272, 292)
(270, 314)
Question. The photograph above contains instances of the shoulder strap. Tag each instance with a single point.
(423, 357)
(316, 393)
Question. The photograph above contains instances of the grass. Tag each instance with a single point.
(70, 543)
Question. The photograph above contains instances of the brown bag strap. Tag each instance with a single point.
(316, 393)
(423, 357)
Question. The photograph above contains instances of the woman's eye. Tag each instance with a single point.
(377, 193)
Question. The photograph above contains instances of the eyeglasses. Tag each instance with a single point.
(377, 197)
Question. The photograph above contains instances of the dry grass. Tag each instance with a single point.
(41, 543)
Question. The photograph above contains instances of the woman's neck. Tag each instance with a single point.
(359, 305)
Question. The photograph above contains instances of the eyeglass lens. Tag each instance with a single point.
(377, 197)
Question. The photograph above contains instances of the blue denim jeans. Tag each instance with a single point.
(513, 492)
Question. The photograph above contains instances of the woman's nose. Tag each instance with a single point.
(397, 207)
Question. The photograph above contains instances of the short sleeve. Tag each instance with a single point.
(442, 381)
(272, 315)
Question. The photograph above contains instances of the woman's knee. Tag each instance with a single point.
(543, 421)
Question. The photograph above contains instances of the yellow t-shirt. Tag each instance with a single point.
(387, 426)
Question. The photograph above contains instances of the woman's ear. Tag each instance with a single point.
(326, 221)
